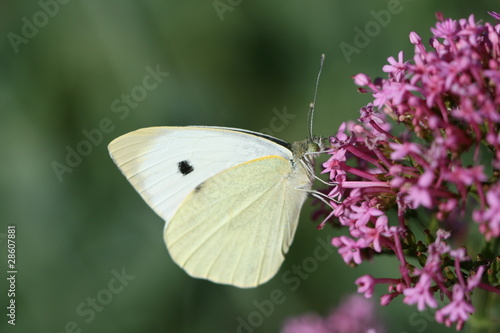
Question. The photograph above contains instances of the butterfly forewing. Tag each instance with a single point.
(164, 164)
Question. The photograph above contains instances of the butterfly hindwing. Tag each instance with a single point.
(236, 227)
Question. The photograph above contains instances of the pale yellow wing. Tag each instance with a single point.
(164, 164)
(235, 227)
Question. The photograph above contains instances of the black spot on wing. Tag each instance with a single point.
(185, 167)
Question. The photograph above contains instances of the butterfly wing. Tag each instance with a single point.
(236, 226)
(165, 164)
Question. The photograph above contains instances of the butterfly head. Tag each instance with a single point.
(308, 149)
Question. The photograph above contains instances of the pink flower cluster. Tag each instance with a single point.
(354, 315)
(439, 162)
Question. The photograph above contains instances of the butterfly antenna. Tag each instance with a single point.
(313, 104)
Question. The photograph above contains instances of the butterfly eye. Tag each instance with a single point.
(313, 147)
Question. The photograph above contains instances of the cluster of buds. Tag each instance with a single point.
(421, 162)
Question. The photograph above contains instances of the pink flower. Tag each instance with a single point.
(392, 93)
(420, 294)
(305, 324)
(396, 68)
(362, 79)
(335, 163)
(372, 236)
(341, 137)
(495, 15)
(436, 249)
(387, 298)
(459, 254)
(489, 219)
(354, 315)
(466, 176)
(402, 151)
(366, 285)
(429, 138)
(368, 115)
(457, 311)
(442, 235)
(362, 214)
(420, 194)
(445, 29)
(415, 38)
(419, 47)
(349, 249)
(473, 281)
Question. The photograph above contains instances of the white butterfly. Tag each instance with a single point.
(230, 198)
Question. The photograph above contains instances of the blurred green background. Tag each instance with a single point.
(66, 65)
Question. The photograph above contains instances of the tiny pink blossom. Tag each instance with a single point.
(396, 68)
(403, 150)
(442, 234)
(420, 294)
(419, 196)
(368, 114)
(495, 15)
(489, 219)
(387, 298)
(458, 310)
(415, 38)
(466, 176)
(335, 163)
(366, 285)
(349, 249)
(361, 79)
(459, 254)
(372, 236)
(341, 136)
(426, 179)
(474, 280)
(305, 324)
(354, 315)
(448, 28)
(363, 213)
